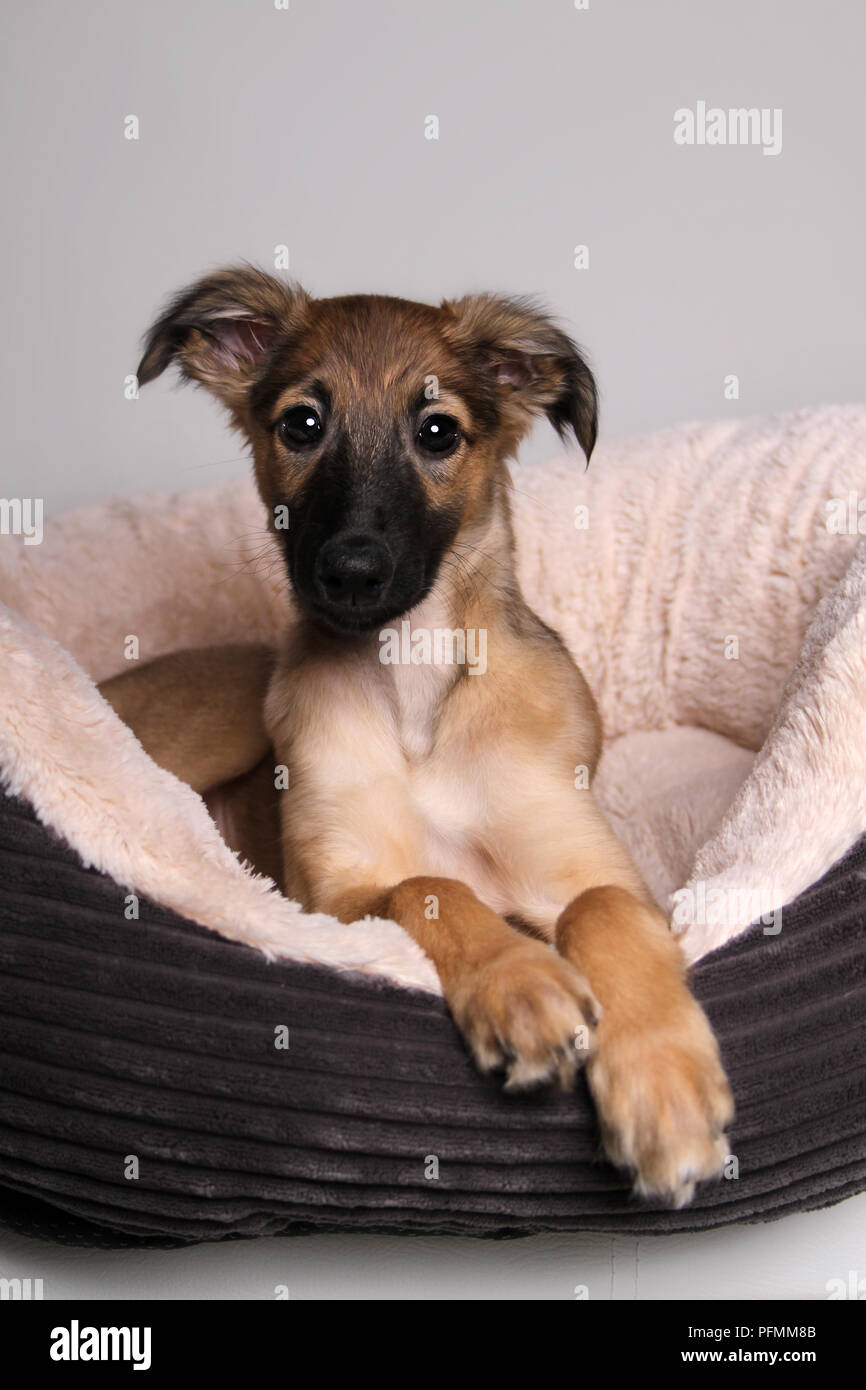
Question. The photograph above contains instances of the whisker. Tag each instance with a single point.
(212, 463)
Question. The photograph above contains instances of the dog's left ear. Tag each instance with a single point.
(533, 366)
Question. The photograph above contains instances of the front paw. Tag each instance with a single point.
(529, 1012)
(663, 1101)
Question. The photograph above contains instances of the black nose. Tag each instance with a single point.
(354, 570)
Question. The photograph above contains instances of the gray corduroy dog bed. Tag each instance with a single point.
(156, 1042)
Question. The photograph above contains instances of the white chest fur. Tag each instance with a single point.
(419, 681)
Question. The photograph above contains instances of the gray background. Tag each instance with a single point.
(260, 127)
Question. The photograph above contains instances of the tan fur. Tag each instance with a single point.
(247, 811)
(198, 713)
(456, 803)
(655, 1075)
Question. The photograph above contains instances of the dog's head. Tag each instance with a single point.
(379, 427)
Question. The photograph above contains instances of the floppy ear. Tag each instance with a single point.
(532, 365)
(222, 329)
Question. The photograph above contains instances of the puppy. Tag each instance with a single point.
(426, 785)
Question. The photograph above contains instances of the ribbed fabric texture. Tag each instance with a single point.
(154, 1039)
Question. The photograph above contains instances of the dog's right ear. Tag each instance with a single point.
(222, 329)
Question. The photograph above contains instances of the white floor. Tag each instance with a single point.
(796, 1258)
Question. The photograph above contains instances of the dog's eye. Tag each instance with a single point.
(300, 426)
(439, 434)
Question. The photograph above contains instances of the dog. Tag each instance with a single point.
(431, 791)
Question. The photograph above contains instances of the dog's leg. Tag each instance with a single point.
(656, 1077)
(655, 1074)
(518, 1004)
(247, 814)
(198, 713)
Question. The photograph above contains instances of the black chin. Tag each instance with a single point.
(349, 621)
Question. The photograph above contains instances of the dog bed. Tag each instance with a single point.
(188, 1056)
